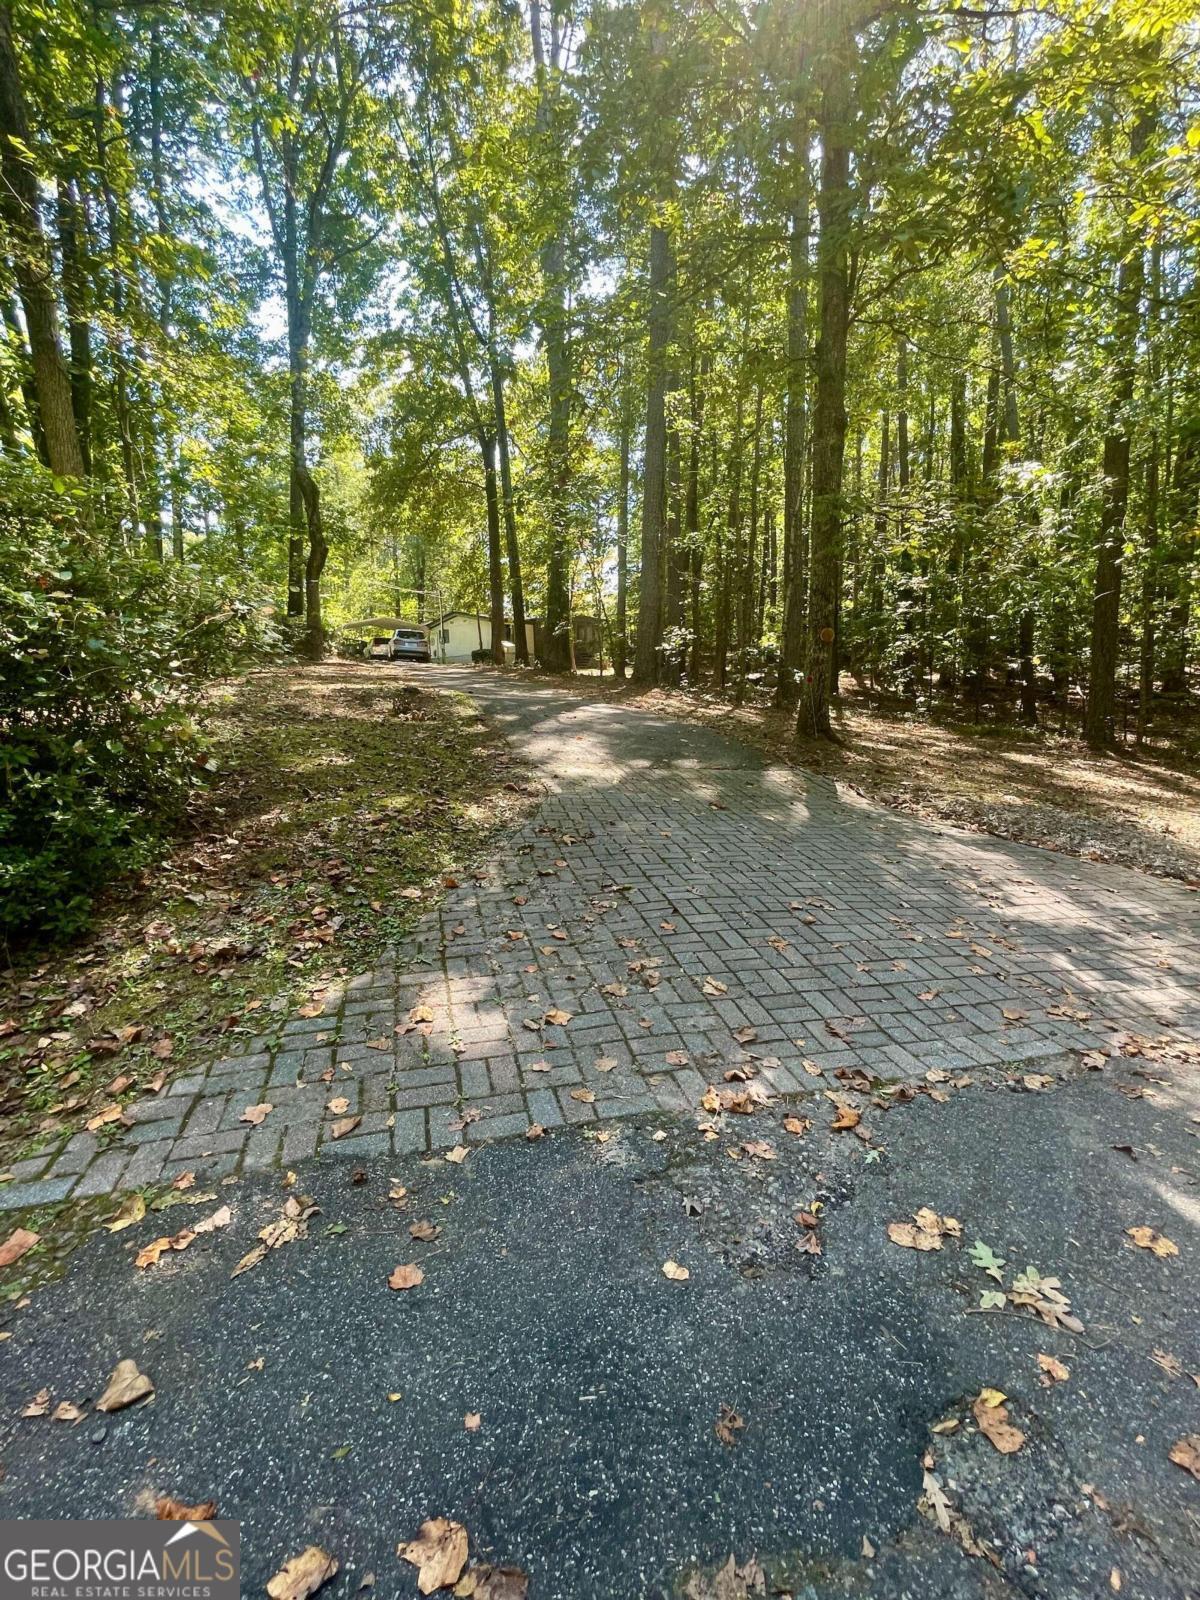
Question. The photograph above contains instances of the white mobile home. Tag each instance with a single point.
(459, 634)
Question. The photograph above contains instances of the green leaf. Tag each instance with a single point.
(983, 1256)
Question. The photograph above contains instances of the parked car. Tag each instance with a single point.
(404, 644)
(410, 644)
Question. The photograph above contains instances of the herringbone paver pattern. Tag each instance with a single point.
(684, 905)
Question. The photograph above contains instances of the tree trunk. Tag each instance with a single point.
(829, 411)
(795, 439)
(487, 446)
(516, 587)
(1100, 712)
(79, 339)
(553, 319)
(654, 472)
(621, 638)
(318, 552)
(32, 266)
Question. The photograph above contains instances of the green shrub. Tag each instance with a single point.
(103, 654)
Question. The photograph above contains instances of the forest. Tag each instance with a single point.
(800, 345)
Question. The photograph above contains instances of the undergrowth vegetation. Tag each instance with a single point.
(103, 658)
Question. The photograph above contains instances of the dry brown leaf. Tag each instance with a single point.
(471, 1421)
(149, 1255)
(302, 1575)
(168, 1509)
(257, 1115)
(407, 1277)
(219, 1219)
(534, 1131)
(925, 1232)
(714, 987)
(67, 1411)
(458, 1155)
(728, 1425)
(338, 1106)
(343, 1126)
(126, 1386)
(1148, 1239)
(1053, 1370)
(847, 1117)
(424, 1230)
(558, 1018)
(938, 1503)
(439, 1552)
(38, 1406)
(676, 1273)
(797, 1125)
(18, 1242)
(994, 1425)
(584, 1095)
(731, 1582)
(493, 1583)
(103, 1118)
(677, 1058)
(759, 1149)
(1185, 1453)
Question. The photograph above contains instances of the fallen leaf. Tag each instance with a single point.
(168, 1509)
(1053, 1371)
(1148, 1239)
(150, 1254)
(302, 1575)
(132, 1211)
(938, 1503)
(67, 1411)
(677, 1058)
(19, 1241)
(458, 1155)
(38, 1406)
(406, 1277)
(925, 1232)
(343, 1126)
(676, 1273)
(728, 1425)
(103, 1118)
(797, 1125)
(584, 1095)
(424, 1230)
(992, 1418)
(219, 1219)
(126, 1386)
(493, 1583)
(257, 1115)
(759, 1150)
(439, 1552)
(339, 1105)
(558, 1018)
(847, 1117)
(1184, 1453)
(471, 1421)
(534, 1131)
(714, 986)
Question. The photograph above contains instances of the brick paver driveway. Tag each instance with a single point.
(676, 906)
